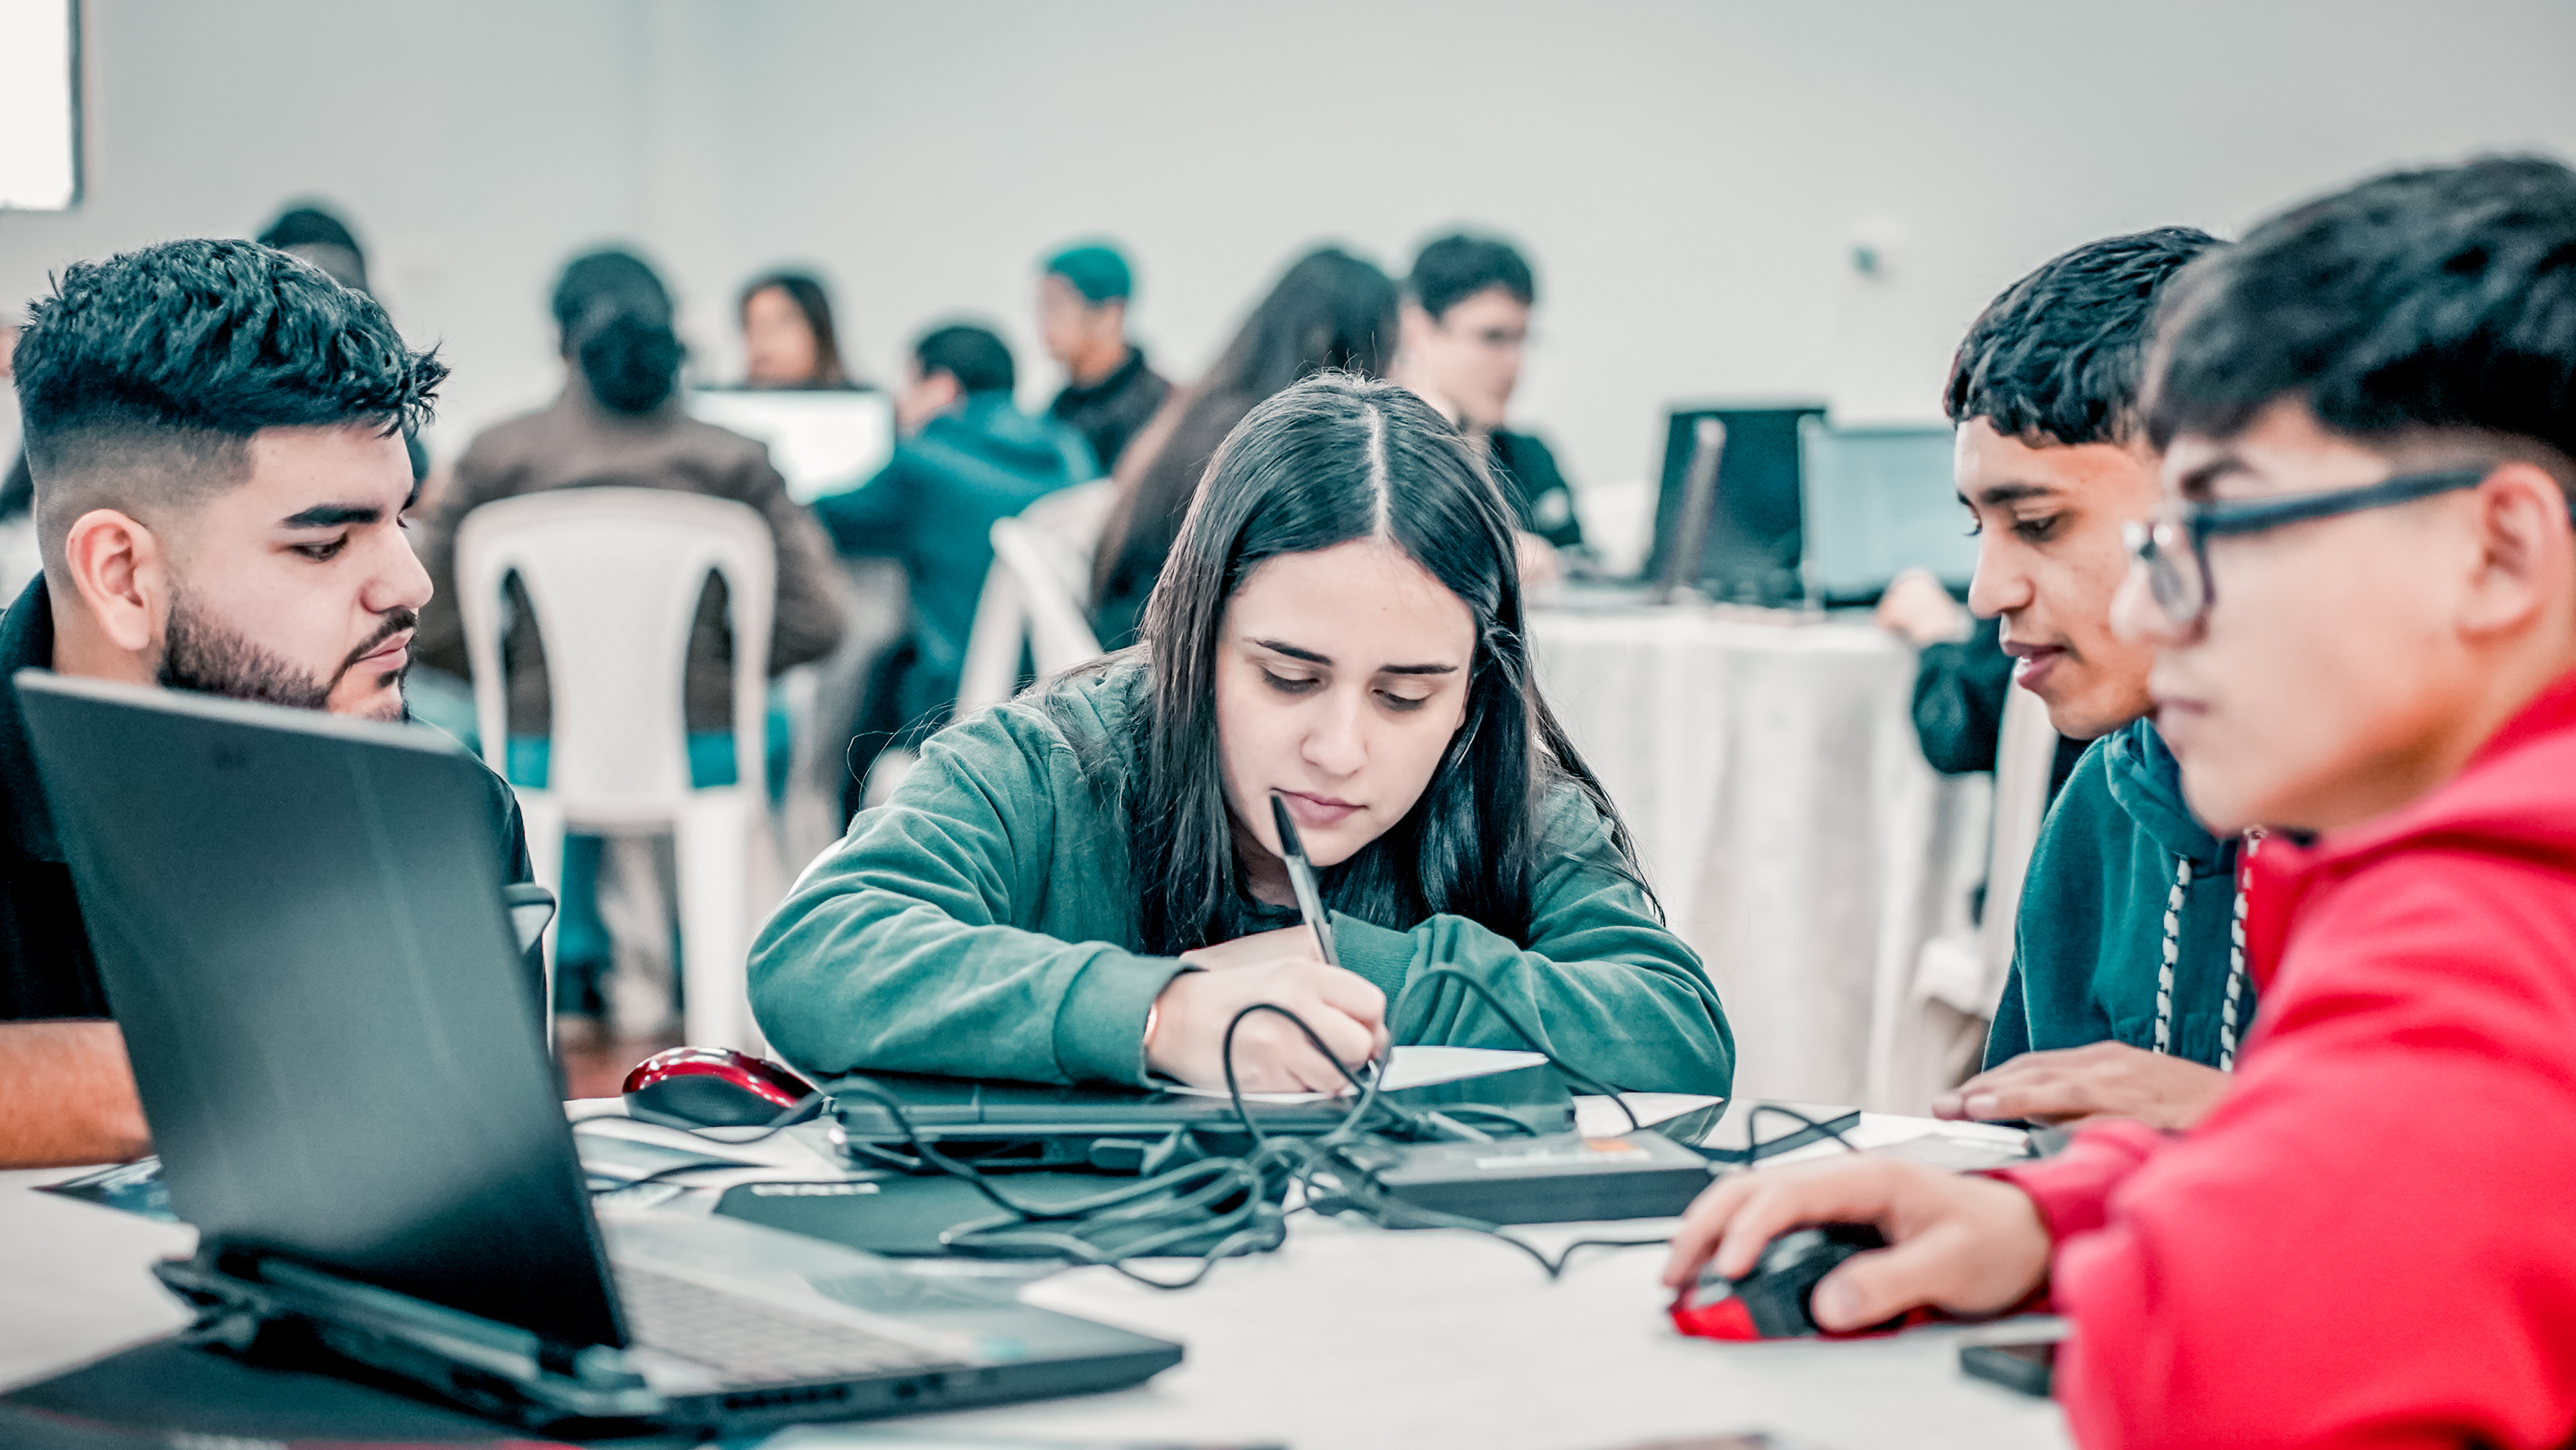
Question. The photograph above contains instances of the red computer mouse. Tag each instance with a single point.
(716, 1087)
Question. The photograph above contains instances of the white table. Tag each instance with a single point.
(1351, 1336)
(1767, 765)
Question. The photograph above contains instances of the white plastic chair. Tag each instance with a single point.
(1960, 975)
(614, 576)
(1033, 595)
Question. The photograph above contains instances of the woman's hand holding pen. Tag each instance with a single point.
(1285, 969)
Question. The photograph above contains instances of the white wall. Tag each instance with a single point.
(1689, 178)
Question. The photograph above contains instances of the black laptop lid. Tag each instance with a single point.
(300, 926)
(1751, 552)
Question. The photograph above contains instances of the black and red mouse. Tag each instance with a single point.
(717, 1087)
(1773, 1300)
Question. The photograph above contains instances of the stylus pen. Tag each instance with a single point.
(1301, 879)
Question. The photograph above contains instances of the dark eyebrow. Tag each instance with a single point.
(2005, 494)
(332, 515)
(1312, 658)
(1291, 651)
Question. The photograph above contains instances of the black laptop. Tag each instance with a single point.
(300, 923)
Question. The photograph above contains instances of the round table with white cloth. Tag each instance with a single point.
(1767, 766)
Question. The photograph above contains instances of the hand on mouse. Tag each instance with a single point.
(1284, 969)
(2101, 1080)
(1967, 1245)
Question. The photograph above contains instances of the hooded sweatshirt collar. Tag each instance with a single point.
(2146, 781)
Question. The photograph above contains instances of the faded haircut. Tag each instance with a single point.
(143, 378)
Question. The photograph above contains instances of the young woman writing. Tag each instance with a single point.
(1086, 884)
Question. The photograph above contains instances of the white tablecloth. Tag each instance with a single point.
(1352, 1337)
(1768, 769)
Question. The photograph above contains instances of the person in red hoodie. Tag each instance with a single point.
(2362, 586)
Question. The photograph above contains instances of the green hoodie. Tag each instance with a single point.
(983, 924)
(2095, 916)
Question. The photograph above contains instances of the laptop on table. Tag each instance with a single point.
(300, 922)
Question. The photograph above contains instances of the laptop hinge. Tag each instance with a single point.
(489, 1366)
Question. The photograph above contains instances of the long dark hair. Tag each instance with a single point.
(1330, 311)
(616, 320)
(1335, 458)
(816, 305)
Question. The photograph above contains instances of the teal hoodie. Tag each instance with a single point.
(984, 924)
(2089, 947)
(934, 505)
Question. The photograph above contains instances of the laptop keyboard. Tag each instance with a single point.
(753, 1343)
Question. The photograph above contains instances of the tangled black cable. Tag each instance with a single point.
(1172, 1214)
(1753, 1144)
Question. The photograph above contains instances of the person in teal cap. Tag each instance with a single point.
(1109, 393)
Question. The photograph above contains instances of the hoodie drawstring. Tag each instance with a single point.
(2227, 1017)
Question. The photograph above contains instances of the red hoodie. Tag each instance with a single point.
(2369, 1241)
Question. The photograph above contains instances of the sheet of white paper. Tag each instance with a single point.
(1413, 1067)
(1409, 1067)
(1601, 1118)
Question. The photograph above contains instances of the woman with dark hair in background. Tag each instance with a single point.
(1086, 883)
(787, 335)
(1331, 310)
(619, 423)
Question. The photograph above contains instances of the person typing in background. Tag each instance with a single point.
(1086, 883)
(2361, 588)
(2126, 995)
(1465, 331)
(215, 432)
(1109, 394)
(967, 458)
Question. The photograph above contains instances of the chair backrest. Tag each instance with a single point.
(2025, 753)
(1041, 572)
(614, 576)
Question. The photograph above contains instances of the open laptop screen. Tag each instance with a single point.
(300, 926)
(1880, 501)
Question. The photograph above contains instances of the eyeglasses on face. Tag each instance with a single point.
(2174, 552)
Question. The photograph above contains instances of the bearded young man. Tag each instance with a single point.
(217, 436)
(2362, 592)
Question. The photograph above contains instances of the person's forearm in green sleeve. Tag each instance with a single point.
(912, 947)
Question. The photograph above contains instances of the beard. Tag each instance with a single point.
(202, 655)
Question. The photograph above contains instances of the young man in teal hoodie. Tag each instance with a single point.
(2127, 995)
(967, 457)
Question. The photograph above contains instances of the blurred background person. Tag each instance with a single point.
(311, 234)
(619, 423)
(1331, 310)
(1465, 330)
(1109, 392)
(967, 456)
(788, 340)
